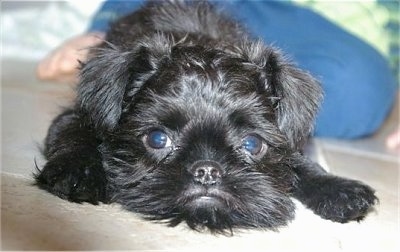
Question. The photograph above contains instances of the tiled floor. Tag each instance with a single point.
(35, 220)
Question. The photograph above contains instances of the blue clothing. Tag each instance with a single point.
(359, 86)
(110, 11)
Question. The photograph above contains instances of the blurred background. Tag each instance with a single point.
(30, 29)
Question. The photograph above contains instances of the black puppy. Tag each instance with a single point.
(181, 116)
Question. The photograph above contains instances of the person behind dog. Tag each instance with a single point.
(360, 88)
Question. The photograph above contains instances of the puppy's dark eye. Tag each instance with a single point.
(157, 139)
(253, 144)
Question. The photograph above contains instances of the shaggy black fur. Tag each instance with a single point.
(182, 116)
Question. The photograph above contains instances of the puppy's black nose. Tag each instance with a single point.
(206, 172)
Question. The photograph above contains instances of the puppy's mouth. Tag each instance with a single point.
(199, 197)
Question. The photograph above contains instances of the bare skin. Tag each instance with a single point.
(393, 141)
(61, 65)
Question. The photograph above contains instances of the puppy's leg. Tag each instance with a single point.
(74, 168)
(331, 197)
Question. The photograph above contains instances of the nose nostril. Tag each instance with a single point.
(215, 173)
(200, 172)
(206, 173)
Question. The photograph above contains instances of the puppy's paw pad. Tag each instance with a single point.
(74, 181)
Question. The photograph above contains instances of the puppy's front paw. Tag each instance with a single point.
(341, 200)
(74, 179)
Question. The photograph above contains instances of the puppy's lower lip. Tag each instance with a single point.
(206, 201)
(203, 198)
(206, 198)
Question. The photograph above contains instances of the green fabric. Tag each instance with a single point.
(364, 19)
(376, 22)
(393, 28)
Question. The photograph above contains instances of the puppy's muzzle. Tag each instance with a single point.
(206, 172)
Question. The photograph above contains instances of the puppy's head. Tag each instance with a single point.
(199, 134)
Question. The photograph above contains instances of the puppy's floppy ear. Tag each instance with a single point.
(299, 97)
(111, 73)
(296, 93)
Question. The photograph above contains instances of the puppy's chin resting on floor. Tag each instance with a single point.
(180, 116)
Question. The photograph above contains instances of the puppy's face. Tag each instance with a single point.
(199, 136)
